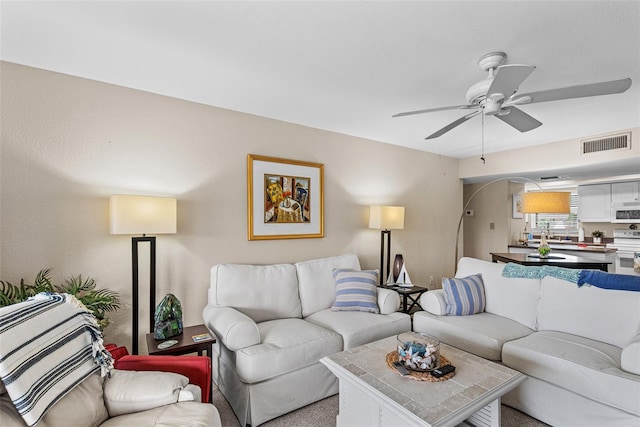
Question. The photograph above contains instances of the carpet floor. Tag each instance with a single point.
(324, 412)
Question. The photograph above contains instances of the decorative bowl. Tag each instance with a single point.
(418, 352)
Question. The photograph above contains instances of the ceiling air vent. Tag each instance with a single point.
(608, 143)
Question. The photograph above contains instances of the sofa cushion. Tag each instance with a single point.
(356, 290)
(565, 307)
(482, 334)
(316, 281)
(464, 296)
(516, 299)
(134, 391)
(262, 292)
(587, 367)
(286, 345)
(183, 414)
(361, 328)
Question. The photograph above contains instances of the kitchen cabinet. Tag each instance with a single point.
(625, 192)
(594, 203)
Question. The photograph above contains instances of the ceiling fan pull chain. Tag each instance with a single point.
(482, 136)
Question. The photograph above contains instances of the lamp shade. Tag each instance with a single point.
(386, 217)
(546, 202)
(143, 215)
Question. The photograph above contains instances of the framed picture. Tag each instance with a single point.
(517, 207)
(284, 198)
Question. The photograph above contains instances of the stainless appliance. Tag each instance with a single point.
(625, 213)
(627, 243)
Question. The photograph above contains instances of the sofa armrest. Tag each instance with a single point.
(196, 368)
(434, 302)
(190, 393)
(233, 328)
(126, 392)
(630, 358)
(388, 301)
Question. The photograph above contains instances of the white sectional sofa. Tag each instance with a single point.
(579, 346)
(274, 323)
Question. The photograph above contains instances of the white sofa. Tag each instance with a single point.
(579, 346)
(273, 323)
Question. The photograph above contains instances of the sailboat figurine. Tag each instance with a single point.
(404, 281)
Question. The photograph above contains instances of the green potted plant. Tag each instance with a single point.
(544, 248)
(597, 236)
(98, 301)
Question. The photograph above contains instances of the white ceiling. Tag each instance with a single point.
(347, 66)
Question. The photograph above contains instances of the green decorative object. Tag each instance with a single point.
(544, 247)
(168, 318)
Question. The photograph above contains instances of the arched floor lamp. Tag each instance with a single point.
(532, 202)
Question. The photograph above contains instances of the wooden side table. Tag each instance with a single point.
(185, 344)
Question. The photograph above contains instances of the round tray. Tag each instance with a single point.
(419, 376)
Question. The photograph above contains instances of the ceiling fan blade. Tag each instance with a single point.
(452, 125)
(580, 91)
(518, 119)
(431, 110)
(508, 79)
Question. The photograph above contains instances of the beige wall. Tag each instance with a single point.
(491, 205)
(547, 157)
(69, 143)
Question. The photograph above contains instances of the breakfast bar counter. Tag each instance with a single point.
(559, 260)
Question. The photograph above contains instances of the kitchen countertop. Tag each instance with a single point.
(559, 260)
(568, 245)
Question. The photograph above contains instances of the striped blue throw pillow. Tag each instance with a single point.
(356, 290)
(464, 296)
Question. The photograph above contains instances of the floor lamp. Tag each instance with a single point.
(532, 202)
(385, 219)
(142, 215)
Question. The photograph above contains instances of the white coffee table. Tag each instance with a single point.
(371, 394)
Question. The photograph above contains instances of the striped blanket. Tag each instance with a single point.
(48, 345)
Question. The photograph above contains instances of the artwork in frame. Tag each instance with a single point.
(284, 198)
(517, 207)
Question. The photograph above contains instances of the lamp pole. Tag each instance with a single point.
(136, 286)
(384, 233)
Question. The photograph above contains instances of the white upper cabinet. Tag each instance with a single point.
(594, 203)
(625, 192)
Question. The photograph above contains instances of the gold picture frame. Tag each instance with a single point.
(285, 198)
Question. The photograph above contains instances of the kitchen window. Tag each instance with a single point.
(558, 223)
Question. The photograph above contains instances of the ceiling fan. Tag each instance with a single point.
(496, 95)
